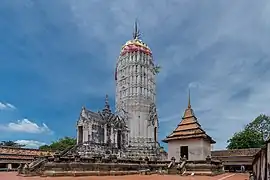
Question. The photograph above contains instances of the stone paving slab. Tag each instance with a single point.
(227, 176)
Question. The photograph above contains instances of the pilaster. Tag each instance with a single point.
(105, 133)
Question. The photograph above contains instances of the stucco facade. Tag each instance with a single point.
(198, 149)
(136, 91)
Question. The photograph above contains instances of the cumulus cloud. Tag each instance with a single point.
(30, 143)
(26, 126)
(215, 48)
(6, 106)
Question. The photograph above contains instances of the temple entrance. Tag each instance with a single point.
(184, 151)
(155, 134)
(80, 134)
(119, 139)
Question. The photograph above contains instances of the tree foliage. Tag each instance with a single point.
(11, 144)
(157, 69)
(253, 135)
(261, 124)
(59, 145)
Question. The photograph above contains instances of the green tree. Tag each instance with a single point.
(11, 144)
(261, 124)
(59, 145)
(253, 135)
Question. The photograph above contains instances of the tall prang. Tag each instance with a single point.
(136, 91)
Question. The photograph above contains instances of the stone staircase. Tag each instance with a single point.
(33, 169)
(177, 168)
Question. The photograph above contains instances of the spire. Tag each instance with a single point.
(189, 127)
(189, 105)
(107, 106)
(136, 33)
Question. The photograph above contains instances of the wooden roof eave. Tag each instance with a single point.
(168, 138)
(212, 141)
(203, 132)
(175, 131)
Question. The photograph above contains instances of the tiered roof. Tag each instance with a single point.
(188, 128)
(104, 116)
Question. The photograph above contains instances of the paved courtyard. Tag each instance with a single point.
(227, 176)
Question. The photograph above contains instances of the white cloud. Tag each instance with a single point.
(215, 48)
(30, 143)
(26, 126)
(6, 106)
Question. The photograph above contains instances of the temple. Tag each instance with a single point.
(132, 130)
(125, 142)
(189, 139)
(101, 132)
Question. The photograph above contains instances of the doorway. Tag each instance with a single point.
(80, 134)
(119, 139)
(184, 151)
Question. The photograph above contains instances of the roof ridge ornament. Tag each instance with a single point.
(189, 105)
(107, 105)
(136, 32)
(107, 99)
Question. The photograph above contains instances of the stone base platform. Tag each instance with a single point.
(88, 173)
(98, 166)
(200, 167)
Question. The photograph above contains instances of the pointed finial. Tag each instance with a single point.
(189, 105)
(136, 33)
(107, 106)
(107, 100)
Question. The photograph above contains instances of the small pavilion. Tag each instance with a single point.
(189, 140)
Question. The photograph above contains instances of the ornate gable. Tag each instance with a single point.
(106, 114)
(119, 123)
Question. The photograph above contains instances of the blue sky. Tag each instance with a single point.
(57, 56)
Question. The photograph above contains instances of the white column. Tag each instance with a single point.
(105, 133)
(85, 134)
(89, 132)
(78, 137)
(146, 128)
(111, 135)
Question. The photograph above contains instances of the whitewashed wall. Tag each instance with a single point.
(268, 161)
(198, 149)
(261, 164)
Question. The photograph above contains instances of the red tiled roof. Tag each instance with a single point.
(16, 157)
(22, 151)
(236, 152)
